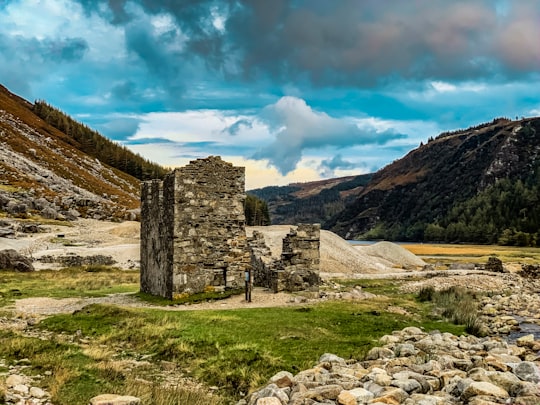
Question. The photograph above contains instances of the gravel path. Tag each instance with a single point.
(261, 298)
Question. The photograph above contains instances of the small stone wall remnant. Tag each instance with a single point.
(156, 241)
(193, 229)
(263, 265)
(300, 259)
(297, 269)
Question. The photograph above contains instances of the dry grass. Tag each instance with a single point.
(479, 253)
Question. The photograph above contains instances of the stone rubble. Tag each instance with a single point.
(21, 389)
(413, 367)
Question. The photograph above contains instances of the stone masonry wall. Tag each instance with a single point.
(300, 260)
(263, 265)
(156, 241)
(193, 229)
(210, 245)
(298, 267)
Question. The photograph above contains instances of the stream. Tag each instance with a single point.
(526, 328)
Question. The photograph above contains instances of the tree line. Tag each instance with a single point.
(505, 213)
(256, 211)
(96, 145)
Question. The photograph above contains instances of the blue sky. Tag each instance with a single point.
(294, 90)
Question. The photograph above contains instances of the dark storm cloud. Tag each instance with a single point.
(351, 42)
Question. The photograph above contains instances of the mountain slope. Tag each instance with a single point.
(441, 179)
(42, 170)
(310, 202)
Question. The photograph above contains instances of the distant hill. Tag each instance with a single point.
(45, 171)
(478, 185)
(311, 202)
(475, 185)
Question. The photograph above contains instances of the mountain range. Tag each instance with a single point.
(477, 185)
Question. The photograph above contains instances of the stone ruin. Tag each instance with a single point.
(298, 267)
(193, 236)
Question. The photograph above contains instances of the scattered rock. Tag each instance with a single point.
(416, 368)
(494, 264)
(11, 260)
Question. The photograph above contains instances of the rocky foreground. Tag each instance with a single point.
(412, 367)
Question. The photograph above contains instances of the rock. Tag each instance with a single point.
(7, 232)
(49, 213)
(21, 389)
(331, 358)
(36, 392)
(527, 371)
(484, 388)
(442, 369)
(14, 380)
(361, 395)
(270, 391)
(380, 353)
(494, 264)
(525, 340)
(282, 379)
(113, 399)
(10, 259)
(268, 401)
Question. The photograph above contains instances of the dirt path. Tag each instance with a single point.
(261, 298)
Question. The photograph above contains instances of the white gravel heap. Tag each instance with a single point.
(339, 256)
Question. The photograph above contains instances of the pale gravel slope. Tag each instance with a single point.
(339, 256)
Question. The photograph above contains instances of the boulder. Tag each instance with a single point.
(10, 259)
(494, 264)
(113, 399)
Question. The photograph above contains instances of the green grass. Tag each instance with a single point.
(238, 350)
(91, 281)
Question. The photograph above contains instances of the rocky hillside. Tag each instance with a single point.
(474, 185)
(43, 171)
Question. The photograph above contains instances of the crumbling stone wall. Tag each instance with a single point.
(297, 269)
(263, 265)
(156, 241)
(193, 229)
(300, 260)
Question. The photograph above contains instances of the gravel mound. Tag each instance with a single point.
(339, 256)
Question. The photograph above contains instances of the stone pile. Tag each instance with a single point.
(500, 313)
(415, 368)
(20, 389)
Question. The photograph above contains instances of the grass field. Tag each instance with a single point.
(99, 348)
(477, 253)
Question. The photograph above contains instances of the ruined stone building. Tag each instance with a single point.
(193, 236)
(193, 229)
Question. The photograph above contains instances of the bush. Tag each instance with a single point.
(456, 304)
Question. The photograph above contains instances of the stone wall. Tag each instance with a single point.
(300, 259)
(263, 265)
(193, 229)
(298, 267)
(156, 241)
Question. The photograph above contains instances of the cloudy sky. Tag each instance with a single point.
(294, 90)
